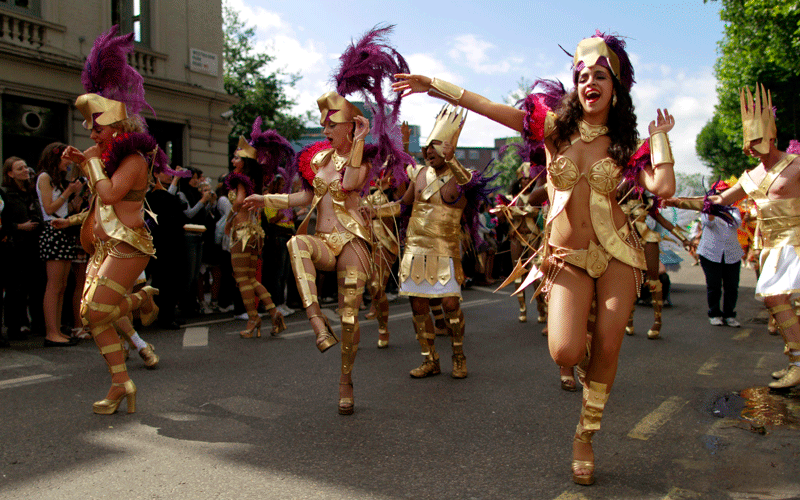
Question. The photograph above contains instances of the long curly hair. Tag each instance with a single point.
(49, 162)
(621, 123)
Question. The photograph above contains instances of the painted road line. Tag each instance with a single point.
(32, 379)
(708, 366)
(569, 495)
(649, 425)
(680, 494)
(743, 334)
(195, 336)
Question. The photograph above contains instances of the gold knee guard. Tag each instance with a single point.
(523, 306)
(304, 280)
(88, 304)
(423, 336)
(658, 303)
(350, 279)
(438, 316)
(430, 362)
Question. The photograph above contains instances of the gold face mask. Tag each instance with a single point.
(449, 123)
(758, 122)
(108, 110)
(244, 149)
(336, 108)
(590, 50)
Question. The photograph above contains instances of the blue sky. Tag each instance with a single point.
(488, 46)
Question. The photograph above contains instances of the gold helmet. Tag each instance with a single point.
(336, 108)
(758, 121)
(108, 111)
(449, 123)
(244, 149)
(590, 50)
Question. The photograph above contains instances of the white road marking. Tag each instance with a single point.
(649, 425)
(708, 366)
(743, 334)
(195, 336)
(17, 382)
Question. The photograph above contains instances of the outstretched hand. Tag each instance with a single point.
(411, 84)
(663, 123)
(254, 202)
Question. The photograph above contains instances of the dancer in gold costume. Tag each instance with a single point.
(119, 169)
(774, 186)
(591, 144)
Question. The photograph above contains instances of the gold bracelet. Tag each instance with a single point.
(690, 203)
(660, 150)
(445, 90)
(96, 171)
(356, 154)
(278, 201)
(461, 174)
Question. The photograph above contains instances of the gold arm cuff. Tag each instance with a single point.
(690, 203)
(461, 174)
(677, 233)
(276, 201)
(660, 150)
(77, 219)
(95, 169)
(445, 90)
(387, 210)
(356, 154)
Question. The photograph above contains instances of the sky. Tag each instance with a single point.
(489, 46)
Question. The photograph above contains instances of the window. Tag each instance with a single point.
(474, 154)
(29, 7)
(460, 155)
(132, 16)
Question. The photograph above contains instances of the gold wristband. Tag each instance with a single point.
(356, 154)
(660, 150)
(676, 233)
(96, 171)
(690, 203)
(77, 219)
(278, 201)
(461, 174)
(445, 90)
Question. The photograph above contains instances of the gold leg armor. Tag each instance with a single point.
(541, 305)
(351, 286)
(439, 325)
(455, 322)
(786, 318)
(98, 314)
(658, 303)
(523, 306)
(306, 280)
(594, 402)
(430, 363)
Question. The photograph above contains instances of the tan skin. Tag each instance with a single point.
(573, 290)
(57, 270)
(355, 253)
(132, 174)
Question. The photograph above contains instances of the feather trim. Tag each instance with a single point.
(234, 179)
(124, 145)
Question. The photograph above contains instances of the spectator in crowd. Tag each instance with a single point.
(228, 298)
(56, 246)
(196, 208)
(279, 230)
(22, 221)
(487, 248)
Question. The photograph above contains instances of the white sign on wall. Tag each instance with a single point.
(203, 62)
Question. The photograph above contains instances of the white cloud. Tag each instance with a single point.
(473, 51)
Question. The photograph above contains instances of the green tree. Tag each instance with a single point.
(760, 45)
(507, 165)
(718, 152)
(246, 76)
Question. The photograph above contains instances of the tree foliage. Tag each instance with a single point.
(760, 45)
(246, 76)
(718, 152)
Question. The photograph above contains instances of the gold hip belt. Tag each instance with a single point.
(335, 240)
(594, 260)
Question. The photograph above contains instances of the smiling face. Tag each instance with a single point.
(595, 91)
(338, 134)
(20, 172)
(237, 162)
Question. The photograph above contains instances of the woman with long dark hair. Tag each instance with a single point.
(56, 247)
(590, 138)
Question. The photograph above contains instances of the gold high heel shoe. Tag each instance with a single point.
(346, 405)
(278, 324)
(382, 344)
(148, 354)
(325, 339)
(109, 406)
(147, 318)
(253, 326)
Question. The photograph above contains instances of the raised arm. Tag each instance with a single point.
(503, 114)
(659, 178)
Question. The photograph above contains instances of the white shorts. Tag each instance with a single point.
(450, 289)
(780, 272)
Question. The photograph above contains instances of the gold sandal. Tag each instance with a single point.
(278, 324)
(326, 339)
(346, 405)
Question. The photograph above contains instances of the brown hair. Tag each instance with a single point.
(49, 162)
(10, 161)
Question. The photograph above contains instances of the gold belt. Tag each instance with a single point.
(336, 240)
(594, 260)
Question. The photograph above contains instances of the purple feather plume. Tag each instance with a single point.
(234, 179)
(273, 151)
(363, 68)
(107, 72)
(794, 147)
(134, 143)
(725, 212)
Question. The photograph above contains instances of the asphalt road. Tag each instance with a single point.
(227, 418)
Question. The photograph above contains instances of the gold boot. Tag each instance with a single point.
(455, 320)
(629, 327)
(523, 306)
(148, 354)
(594, 401)
(658, 303)
(325, 338)
(430, 363)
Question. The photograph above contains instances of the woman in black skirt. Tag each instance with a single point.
(56, 247)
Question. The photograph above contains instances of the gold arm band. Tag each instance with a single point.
(387, 210)
(461, 174)
(356, 154)
(276, 201)
(77, 219)
(96, 171)
(678, 234)
(690, 203)
(445, 90)
(660, 150)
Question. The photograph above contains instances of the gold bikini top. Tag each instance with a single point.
(334, 187)
(604, 175)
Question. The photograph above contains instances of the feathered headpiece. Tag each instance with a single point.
(110, 81)
(607, 51)
(363, 68)
(273, 151)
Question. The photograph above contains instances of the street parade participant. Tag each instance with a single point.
(336, 175)
(430, 268)
(774, 186)
(591, 144)
(118, 168)
(263, 155)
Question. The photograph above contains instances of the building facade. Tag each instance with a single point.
(43, 46)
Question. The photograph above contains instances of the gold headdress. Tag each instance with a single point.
(244, 149)
(758, 122)
(524, 171)
(449, 123)
(336, 108)
(590, 50)
(108, 110)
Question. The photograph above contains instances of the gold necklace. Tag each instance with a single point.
(339, 161)
(590, 132)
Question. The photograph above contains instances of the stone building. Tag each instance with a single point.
(43, 45)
